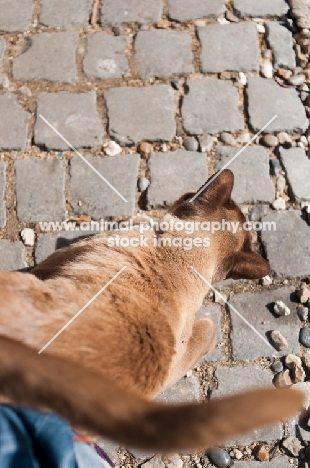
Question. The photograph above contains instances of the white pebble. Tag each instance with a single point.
(111, 148)
(223, 21)
(266, 281)
(242, 79)
(244, 138)
(27, 235)
(279, 204)
(220, 298)
(267, 69)
(281, 309)
(260, 28)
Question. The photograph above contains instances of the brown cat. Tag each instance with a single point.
(136, 338)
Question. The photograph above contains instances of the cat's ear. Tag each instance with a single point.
(218, 189)
(248, 265)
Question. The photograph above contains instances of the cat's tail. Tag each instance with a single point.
(88, 401)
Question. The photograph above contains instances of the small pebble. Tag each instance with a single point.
(266, 69)
(266, 281)
(277, 366)
(297, 80)
(281, 309)
(284, 73)
(303, 294)
(222, 21)
(279, 204)
(267, 54)
(231, 17)
(219, 457)
(237, 454)
(304, 337)
(146, 148)
(261, 453)
(220, 299)
(244, 138)
(206, 143)
(111, 148)
(143, 184)
(293, 446)
(228, 139)
(294, 364)
(278, 340)
(191, 144)
(302, 312)
(172, 461)
(270, 140)
(306, 360)
(200, 23)
(260, 28)
(275, 166)
(242, 78)
(27, 235)
(282, 379)
(281, 183)
(284, 138)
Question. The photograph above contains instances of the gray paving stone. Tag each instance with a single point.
(12, 256)
(14, 127)
(280, 462)
(40, 190)
(267, 99)
(235, 47)
(263, 8)
(235, 380)
(213, 312)
(125, 11)
(211, 106)
(106, 56)
(297, 426)
(185, 390)
(51, 56)
(288, 249)
(66, 14)
(257, 309)
(48, 243)
(147, 115)
(173, 174)
(182, 10)
(280, 41)
(15, 15)
(251, 166)
(297, 167)
(75, 116)
(2, 195)
(162, 53)
(97, 198)
(110, 449)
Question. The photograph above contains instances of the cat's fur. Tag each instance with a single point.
(137, 338)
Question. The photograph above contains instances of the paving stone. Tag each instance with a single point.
(173, 174)
(12, 256)
(211, 106)
(257, 309)
(267, 99)
(288, 248)
(75, 116)
(15, 15)
(66, 14)
(106, 56)
(280, 462)
(2, 195)
(182, 10)
(237, 379)
(110, 449)
(297, 426)
(49, 243)
(280, 40)
(185, 390)
(213, 312)
(249, 167)
(2, 50)
(263, 8)
(50, 56)
(97, 198)
(297, 167)
(235, 47)
(162, 53)
(138, 120)
(40, 190)
(125, 11)
(14, 128)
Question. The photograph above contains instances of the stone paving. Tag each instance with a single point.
(179, 88)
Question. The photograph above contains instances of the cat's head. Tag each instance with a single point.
(213, 203)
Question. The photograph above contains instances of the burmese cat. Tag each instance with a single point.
(137, 338)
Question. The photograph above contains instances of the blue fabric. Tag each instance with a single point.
(33, 439)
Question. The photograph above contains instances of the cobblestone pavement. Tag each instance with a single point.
(179, 87)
